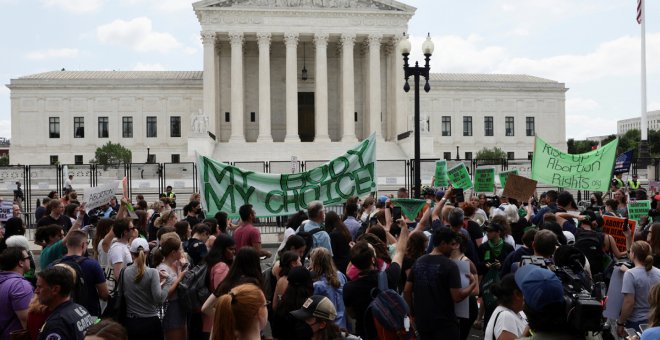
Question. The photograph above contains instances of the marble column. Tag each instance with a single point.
(263, 40)
(321, 100)
(374, 84)
(209, 80)
(236, 41)
(291, 42)
(348, 88)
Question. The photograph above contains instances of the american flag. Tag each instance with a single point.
(640, 4)
(623, 161)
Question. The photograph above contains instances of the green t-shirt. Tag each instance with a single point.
(52, 253)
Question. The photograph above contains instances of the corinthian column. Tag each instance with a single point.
(374, 84)
(263, 39)
(291, 42)
(236, 40)
(321, 117)
(209, 80)
(348, 88)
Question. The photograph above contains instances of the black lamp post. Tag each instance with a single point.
(417, 72)
(148, 155)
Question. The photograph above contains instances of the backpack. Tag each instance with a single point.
(590, 244)
(80, 291)
(193, 289)
(308, 236)
(387, 313)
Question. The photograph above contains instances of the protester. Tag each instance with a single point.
(506, 322)
(106, 330)
(247, 235)
(298, 290)
(340, 239)
(15, 291)
(241, 314)
(168, 263)
(319, 315)
(218, 260)
(316, 212)
(328, 282)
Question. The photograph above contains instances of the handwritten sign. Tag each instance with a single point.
(6, 210)
(518, 187)
(100, 195)
(637, 209)
(484, 180)
(614, 226)
(460, 177)
(504, 175)
(441, 179)
(587, 171)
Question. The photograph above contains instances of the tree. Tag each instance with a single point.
(580, 146)
(491, 156)
(112, 154)
(4, 160)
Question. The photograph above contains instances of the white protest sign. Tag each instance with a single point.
(100, 195)
(6, 210)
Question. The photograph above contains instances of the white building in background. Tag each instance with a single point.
(252, 102)
(624, 125)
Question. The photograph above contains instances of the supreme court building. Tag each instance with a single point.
(282, 78)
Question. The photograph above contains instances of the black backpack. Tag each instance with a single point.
(308, 236)
(590, 243)
(80, 291)
(193, 289)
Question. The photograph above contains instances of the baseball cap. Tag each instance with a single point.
(570, 238)
(440, 194)
(540, 287)
(382, 199)
(137, 243)
(316, 306)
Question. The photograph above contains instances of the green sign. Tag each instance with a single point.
(587, 171)
(226, 188)
(637, 209)
(504, 175)
(460, 177)
(441, 173)
(409, 206)
(484, 180)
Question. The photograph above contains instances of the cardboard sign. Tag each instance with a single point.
(6, 210)
(518, 187)
(504, 175)
(637, 209)
(100, 195)
(614, 226)
(440, 175)
(484, 180)
(460, 177)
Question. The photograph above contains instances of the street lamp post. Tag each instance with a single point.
(416, 72)
(148, 154)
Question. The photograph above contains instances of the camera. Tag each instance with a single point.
(583, 301)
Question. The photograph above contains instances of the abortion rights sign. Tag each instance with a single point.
(587, 171)
(226, 188)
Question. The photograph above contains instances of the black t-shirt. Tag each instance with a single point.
(197, 250)
(62, 221)
(357, 293)
(68, 321)
(340, 250)
(432, 277)
(485, 250)
(40, 212)
(474, 230)
(518, 230)
(192, 220)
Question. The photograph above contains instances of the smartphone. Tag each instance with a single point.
(626, 227)
(458, 194)
(643, 327)
(396, 213)
(631, 332)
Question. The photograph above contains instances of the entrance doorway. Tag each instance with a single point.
(306, 116)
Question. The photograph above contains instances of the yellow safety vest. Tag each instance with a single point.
(633, 185)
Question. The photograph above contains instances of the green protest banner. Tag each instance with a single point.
(409, 206)
(637, 209)
(587, 171)
(504, 175)
(226, 188)
(459, 176)
(484, 180)
(441, 173)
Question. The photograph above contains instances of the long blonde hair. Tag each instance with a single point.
(140, 262)
(236, 311)
(322, 264)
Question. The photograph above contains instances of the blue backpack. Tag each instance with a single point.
(387, 312)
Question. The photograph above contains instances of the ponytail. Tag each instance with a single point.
(140, 261)
(223, 320)
(643, 254)
(236, 311)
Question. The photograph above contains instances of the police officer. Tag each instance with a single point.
(67, 320)
(633, 184)
(617, 183)
(170, 196)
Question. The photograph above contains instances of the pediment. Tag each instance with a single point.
(382, 5)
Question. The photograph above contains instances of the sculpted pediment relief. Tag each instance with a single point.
(331, 4)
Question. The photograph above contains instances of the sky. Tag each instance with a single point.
(593, 46)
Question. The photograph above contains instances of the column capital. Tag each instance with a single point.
(263, 38)
(291, 39)
(236, 38)
(208, 37)
(347, 39)
(374, 40)
(321, 39)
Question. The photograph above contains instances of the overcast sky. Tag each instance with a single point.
(593, 46)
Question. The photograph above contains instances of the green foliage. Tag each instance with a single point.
(4, 161)
(491, 154)
(112, 154)
(580, 146)
(631, 139)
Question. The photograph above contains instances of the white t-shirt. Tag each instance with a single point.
(508, 320)
(119, 252)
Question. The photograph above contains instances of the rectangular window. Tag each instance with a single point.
(78, 127)
(468, 155)
(175, 127)
(467, 126)
(103, 127)
(510, 155)
(508, 126)
(447, 156)
(176, 158)
(152, 130)
(54, 127)
(78, 159)
(488, 126)
(529, 126)
(446, 125)
(54, 160)
(127, 127)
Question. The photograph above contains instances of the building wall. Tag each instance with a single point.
(625, 125)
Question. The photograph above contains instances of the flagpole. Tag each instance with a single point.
(643, 145)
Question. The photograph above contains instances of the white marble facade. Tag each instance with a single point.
(251, 96)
